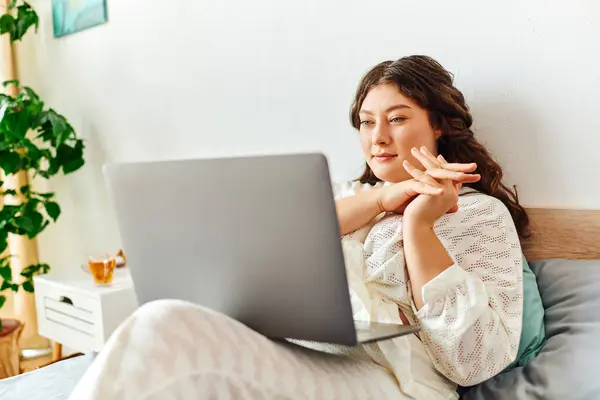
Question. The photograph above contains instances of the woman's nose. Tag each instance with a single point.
(381, 135)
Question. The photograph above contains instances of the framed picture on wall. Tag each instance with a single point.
(70, 16)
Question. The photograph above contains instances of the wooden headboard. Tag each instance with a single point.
(558, 233)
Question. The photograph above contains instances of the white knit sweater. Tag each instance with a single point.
(471, 320)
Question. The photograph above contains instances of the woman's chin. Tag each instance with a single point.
(389, 173)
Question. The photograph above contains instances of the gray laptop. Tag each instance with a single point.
(255, 238)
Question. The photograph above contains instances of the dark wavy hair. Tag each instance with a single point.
(431, 86)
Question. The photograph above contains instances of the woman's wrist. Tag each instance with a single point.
(378, 194)
(415, 224)
(356, 211)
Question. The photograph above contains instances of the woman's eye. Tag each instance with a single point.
(365, 123)
(397, 119)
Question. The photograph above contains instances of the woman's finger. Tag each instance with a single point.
(424, 188)
(440, 162)
(424, 160)
(439, 173)
(420, 175)
(430, 156)
(459, 167)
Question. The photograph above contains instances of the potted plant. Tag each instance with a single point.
(35, 141)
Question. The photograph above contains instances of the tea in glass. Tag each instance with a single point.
(102, 269)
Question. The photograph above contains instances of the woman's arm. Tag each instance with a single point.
(425, 255)
(357, 211)
(469, 305)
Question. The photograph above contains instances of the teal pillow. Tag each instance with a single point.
(533, 334)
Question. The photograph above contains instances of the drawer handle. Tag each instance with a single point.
(65, 299)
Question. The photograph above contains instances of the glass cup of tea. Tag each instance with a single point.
(102, 267)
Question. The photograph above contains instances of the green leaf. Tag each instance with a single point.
(24, 190)
(32, 204)
(8, 211)
(5, 261)
(54, 166)
(35, 269)
(46, 223)
(59, 123)
(16, 124)
(73, 165)
(12, 81)
(25, 224)
(2, 301)
(28, 286)
(48, 195)
(45, 127)
(69, 157)
(22, 123)
(32, 13)
(31, 270)
(30, 220)
(15, 230)
(53, 210)
(65, 134)
(43, 173)
(33, 108)
(26, 18)
(3, 240)
(10, 192)
(3, 110)
(7, 108)
(10, 162)
(6, 273)
(79, 146)
(31, 94)
(6, 100)
(8, 285)
(7, 24)
(38, 158)
(37, 219)
(64, 153)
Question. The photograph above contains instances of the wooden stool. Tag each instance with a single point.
(56, 352)
(9, 347)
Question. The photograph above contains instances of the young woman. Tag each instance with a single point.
(429, 241)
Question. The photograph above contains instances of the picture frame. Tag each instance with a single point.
(71, 16)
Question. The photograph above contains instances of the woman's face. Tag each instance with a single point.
(390, 126)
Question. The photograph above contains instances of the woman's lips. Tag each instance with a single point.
(384, 157)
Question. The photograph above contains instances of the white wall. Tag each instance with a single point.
(190, 78)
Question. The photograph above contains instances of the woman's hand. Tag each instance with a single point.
(426, 209)
(395, 198)
(356, 211)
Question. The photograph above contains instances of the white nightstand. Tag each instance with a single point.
(74, 312)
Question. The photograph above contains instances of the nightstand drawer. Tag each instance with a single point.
(85, 326)
(69, 301)
(75, 312)
(66, 330)
(85, 312)
(69, 316)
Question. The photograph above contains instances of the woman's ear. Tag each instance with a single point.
(437, 133)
